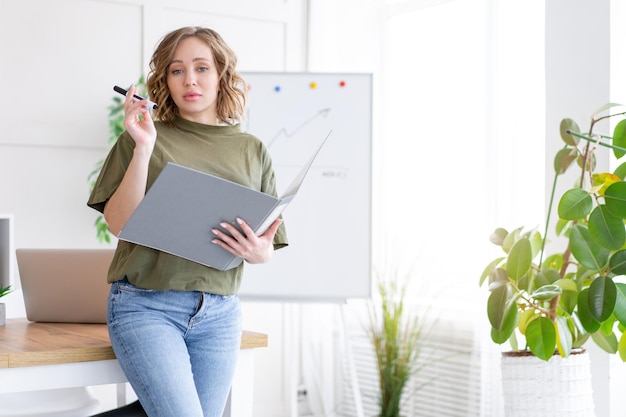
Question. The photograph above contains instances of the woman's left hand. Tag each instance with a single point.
(253, 249)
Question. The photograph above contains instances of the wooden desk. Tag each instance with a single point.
(36, 356)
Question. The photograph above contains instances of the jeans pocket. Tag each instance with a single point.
(126, 300)
(124, 285)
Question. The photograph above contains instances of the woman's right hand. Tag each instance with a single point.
(138, 121)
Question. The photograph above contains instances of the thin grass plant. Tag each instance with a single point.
(396, 337)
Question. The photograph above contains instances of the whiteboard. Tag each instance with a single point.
(329, 221)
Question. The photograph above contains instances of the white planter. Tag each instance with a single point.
(560, 387)
(3, 314)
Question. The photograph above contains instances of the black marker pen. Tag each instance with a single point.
(123, 92)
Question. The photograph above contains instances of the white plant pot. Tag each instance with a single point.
(560, 387)
(3, 314)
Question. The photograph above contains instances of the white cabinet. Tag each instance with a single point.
(6, 249)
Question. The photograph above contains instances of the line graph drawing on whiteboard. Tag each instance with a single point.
(291, 148)
(284, 133)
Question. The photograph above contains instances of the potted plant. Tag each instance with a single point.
(3, 312)
(116, 127)
(558, 300)
(397, 336)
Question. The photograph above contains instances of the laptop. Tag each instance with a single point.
(65, 285)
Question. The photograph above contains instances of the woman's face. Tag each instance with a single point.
(193, 81)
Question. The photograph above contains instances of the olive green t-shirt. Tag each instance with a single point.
(224, 151)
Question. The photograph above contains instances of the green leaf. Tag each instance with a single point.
(620, 303)
(575, 204)
(547, 292)
(584, 274)
(513, 341)
(569, 124)
(607, 326)
(563, 159)
(564, 338)
(526, 317)
(581, 335)
(502, 313)
(569, 297)
(606, 229)
(620, 171)
(621, 347)
(536, 242)
(500, 336)
(554, 262)
(617, 263)
(568, 301)
(496, 306)
(561, 226)
(589, 323)
(586, 250)
(528, 282)
(604, 108)
(567, 284)
(581, 340)
(602, 297)
(547, 276)
(520, 259)
(5, 290)
(541, 337)
(497, 278)
(607, 342)
(510, 239)
(498, 236)
(591, 162)
(488, 269)
(615, 199)
(619, 138)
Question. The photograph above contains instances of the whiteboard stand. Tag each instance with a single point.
(354, 379)
(296, 345)
(295, 342)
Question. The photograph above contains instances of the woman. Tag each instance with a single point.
(175, 325)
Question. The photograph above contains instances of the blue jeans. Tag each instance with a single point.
(178, 349)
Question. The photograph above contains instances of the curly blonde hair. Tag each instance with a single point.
(232, 96)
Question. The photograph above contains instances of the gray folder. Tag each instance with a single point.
(183, 205)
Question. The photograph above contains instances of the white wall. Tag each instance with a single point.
(59, 62)
(579, 59)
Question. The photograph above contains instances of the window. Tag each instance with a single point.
(462, 116)
(459, 146)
